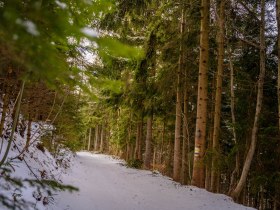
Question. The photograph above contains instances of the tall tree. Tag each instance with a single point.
(218, 95)
(249, 157)
(200, 131)
(178, 121)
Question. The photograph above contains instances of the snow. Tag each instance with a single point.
(106, 184)
(32, 164)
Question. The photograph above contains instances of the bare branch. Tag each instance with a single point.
(256, 45)
(248, 10)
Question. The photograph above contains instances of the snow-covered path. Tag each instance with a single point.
(107, 185)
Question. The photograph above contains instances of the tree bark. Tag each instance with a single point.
(96, 137)
(210, 129)
(178, 121)
(102, 137)
(3, 115)
(185, 150)
(235, 172)
(218, 97)
(89, 139)
(246, 167)
(139, 134)
(278, 50)
(4, 110)
(162, 141)
(148, 150)
(136, 141)
(28, 136)
(198, 177)
(15, 120)
(177, 143)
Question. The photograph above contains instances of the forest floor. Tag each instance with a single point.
(106, 183)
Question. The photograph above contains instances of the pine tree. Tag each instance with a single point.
(200, 132)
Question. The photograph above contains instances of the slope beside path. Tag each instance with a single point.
(105, 184)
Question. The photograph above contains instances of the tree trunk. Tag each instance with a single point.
(96, 137)
(209, 143)
(89, 139)
(278, 38)
(105, 137)
(218, 97)
(148, 150)
(154, 158)
(102, 128)
(177, 143)
(261, 199)
(200, 132)
(185, 150)
(235, 172)
(15, 120)
(236, 192)
(139, 153)
(4, 110)
(178, 121)
(28, 136)
(128, 143)
(3, 115)
(138, 146)
(162, 142)
(136, 141)
(84, 142)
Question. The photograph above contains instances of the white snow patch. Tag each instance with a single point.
(105, 183)
(90, 32)
(29, 26)
(33, 161)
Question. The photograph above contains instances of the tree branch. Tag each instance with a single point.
(248, 10)
(256, 45)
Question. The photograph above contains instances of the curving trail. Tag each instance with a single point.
(105, 184)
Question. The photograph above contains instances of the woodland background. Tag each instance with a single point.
(189, 88)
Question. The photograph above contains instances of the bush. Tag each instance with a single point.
(134, 163)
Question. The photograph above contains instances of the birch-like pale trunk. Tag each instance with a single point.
(247, 164)
(235, 172)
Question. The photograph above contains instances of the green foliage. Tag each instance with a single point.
(51, 185)
(68, 120)
(119, 128)
(112, 47)
(16, 203)
(43, 47)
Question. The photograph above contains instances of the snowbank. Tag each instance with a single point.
(28, 168)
